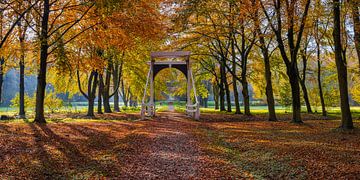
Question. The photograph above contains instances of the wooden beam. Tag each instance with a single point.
(169, 63)
(176, 54)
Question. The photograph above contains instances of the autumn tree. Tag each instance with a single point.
(294, 20)
(341, 64)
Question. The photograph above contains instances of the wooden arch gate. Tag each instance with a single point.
(148, 102)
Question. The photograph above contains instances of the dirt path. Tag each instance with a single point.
(166, 148)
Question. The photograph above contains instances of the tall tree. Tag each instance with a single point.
(341, 65)
(50, 27)
(293, 37)
(266, 57)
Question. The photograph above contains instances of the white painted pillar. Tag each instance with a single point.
(189, 102)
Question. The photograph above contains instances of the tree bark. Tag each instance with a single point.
(22, 33)
(235, 89)
(221, 87)
(124, 93)
(321, 94)
(216, 95)
(22, 82)
(91, 92)
(355, 4)
(100, 92)
(341, 65)
(228, 97)
(41, 80)
(293, 45)
(269, 89)
(295, 92)
(266, 57)
(116, 71)
(227, 90)
(303, 84)
(2, 62)
(106, 90)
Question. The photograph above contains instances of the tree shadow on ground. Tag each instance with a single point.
(59, 158)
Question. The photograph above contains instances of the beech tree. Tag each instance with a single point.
(294, 20)
(341, 65)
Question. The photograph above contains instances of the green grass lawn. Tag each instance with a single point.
(161, 106)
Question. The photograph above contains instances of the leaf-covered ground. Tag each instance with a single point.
(174, 147)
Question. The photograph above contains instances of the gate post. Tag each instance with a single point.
(189, 103)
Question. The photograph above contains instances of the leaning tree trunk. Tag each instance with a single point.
(2, 62)
(306, 96)
(341, 65)
(41, 80)
(303, 85)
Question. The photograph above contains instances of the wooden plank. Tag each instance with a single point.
(169, 63)
(176, 54)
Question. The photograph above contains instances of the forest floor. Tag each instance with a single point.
(172, 146)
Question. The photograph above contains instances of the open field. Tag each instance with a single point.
(173, 146)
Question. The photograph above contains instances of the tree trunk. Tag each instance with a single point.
(115, 87)
(355, 4)
(321, 94)
(106, 90)
(93, 81)
(245, 85)
(206, 102)
(124, 93)
(221, 88)
(303, 84)
(41, 80)
(245, 93)
(228, 95)
(91, 92)
(216, 95)
(306, 96)
(22, 73)
(90, 112)
(346, 120)
(22, 84)
(295, 92)
(269, 89)
(100, 92)
(235, 89)
(2, 62)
